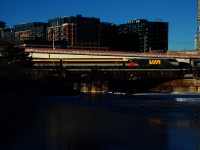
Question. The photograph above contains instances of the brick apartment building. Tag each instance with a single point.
(77, 32)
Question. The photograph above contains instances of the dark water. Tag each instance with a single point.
(105, 122)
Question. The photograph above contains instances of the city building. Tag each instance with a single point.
(2, 24)
(109, 36)
(75, 31)
(31, 34)
(78, 32)
(2, 27)
(150, 36)
(6, 35)
(30, 31)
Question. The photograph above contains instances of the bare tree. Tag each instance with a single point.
(17, 55)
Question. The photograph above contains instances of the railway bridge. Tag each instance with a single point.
(107, 60)
(84, 67)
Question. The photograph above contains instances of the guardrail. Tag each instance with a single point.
(177, 54)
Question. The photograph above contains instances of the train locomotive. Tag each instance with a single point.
(153, 63)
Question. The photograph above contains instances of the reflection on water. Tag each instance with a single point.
(108, 122)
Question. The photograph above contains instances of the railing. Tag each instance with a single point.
(177, 54)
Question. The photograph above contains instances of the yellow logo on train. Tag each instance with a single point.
(154, 62)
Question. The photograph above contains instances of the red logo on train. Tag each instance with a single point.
(131, 64)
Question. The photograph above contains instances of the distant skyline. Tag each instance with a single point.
(181, 15)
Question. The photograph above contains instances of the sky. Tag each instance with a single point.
(180, 14)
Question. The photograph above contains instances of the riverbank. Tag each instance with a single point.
(16, 94)
(49, 86)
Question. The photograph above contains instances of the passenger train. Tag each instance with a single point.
(137, 63)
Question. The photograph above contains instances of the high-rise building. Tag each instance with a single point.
(109, 36)
(197, 37)
(149, 36)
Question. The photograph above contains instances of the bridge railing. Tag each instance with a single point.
(169, 54)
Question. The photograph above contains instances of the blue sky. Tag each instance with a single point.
(180, 14)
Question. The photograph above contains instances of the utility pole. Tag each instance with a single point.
(53, 40)
(145, 42)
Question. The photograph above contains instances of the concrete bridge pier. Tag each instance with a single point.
(91, 87)
(139, 86)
